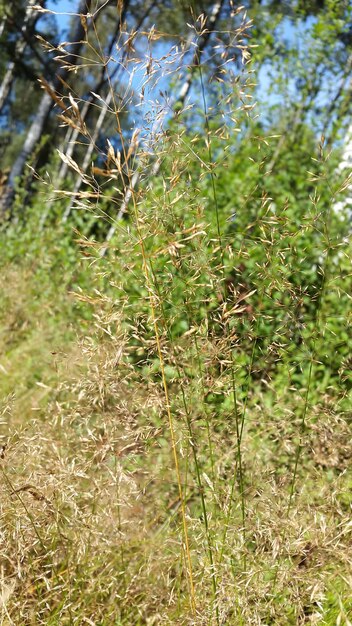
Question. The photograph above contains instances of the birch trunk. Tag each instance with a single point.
(36, 129)
(21, 44)
(345, 206)
(2, 26)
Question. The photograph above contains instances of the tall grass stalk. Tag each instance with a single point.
(193, 445)
(154, 306)
(325, 269)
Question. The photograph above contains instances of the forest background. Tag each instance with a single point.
(175, 313)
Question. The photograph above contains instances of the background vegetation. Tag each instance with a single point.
(175, 312)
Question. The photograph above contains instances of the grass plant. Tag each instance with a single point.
(176, 400)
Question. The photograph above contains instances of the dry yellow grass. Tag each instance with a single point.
(90, 511)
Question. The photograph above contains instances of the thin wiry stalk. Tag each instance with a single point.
(153, 306)
(313, 356)
(238, 473)
(193, 444)
(216, 204)
(239, 425)
(299, 447)
(206, 419)
(210, 157)
(189, 312)
(318, 311)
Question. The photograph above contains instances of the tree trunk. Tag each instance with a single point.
(2, 25)
(7, 81)
(345, 206)
(45, 106)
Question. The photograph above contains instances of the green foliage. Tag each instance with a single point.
(284, 248)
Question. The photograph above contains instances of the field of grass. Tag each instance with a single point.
(92, 523)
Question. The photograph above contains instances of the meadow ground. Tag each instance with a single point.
(90, 512)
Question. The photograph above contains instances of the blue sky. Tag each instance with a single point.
(63, 7)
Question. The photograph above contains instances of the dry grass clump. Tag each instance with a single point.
(90, 513)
